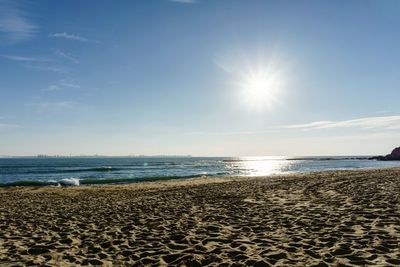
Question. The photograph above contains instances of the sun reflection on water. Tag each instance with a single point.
(263, 166)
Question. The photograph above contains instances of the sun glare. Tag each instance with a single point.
(261, 87)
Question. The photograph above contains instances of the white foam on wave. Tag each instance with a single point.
(69, 182)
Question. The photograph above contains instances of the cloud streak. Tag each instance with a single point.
(68, 83)
(35, 63)
(62, 84)
(25, 59)
(382, 122)
(52, 88)
(54, 105)
(66, 56)
(15, 25)
(43, 66)
(73, 37)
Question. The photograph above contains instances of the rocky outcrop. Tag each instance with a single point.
(395, 155)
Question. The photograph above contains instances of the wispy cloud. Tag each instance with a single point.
(15, 25)
(310, 125)
(52, 88)
(66, 56)
(68, 83)
(73, 37)
(183, 1)
(36, 63)
(61, 104)
(382, 122)
(62, 84)
(25, 59)
(43, 66)
(54, 105)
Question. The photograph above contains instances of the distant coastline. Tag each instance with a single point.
(97, 156)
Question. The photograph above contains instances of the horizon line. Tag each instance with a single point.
(182, 156)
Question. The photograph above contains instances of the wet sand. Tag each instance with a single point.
(332, 218)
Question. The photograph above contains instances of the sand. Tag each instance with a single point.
(330, 218)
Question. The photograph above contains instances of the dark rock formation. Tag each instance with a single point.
(395, 155)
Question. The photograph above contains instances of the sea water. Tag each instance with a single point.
(108, 170)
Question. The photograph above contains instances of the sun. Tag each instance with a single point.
(260, 88)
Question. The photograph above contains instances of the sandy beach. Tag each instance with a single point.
(337, 218)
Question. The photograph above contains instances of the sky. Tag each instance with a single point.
(199, 77)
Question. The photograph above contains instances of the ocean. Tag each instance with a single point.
(110, 170)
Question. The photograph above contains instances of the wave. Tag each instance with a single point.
(99, 169)
(74, 170)
(53, 169)
(91, 169)
(134, 180)
(69, 182)
(93, 181)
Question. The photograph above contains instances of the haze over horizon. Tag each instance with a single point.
(199, 77)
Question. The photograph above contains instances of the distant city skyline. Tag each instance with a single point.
(199, 77)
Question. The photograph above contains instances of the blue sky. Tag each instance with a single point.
(179, 77)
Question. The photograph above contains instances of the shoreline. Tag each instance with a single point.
(133, 181)
(333, 217)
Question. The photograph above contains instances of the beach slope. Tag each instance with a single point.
(327, 218)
